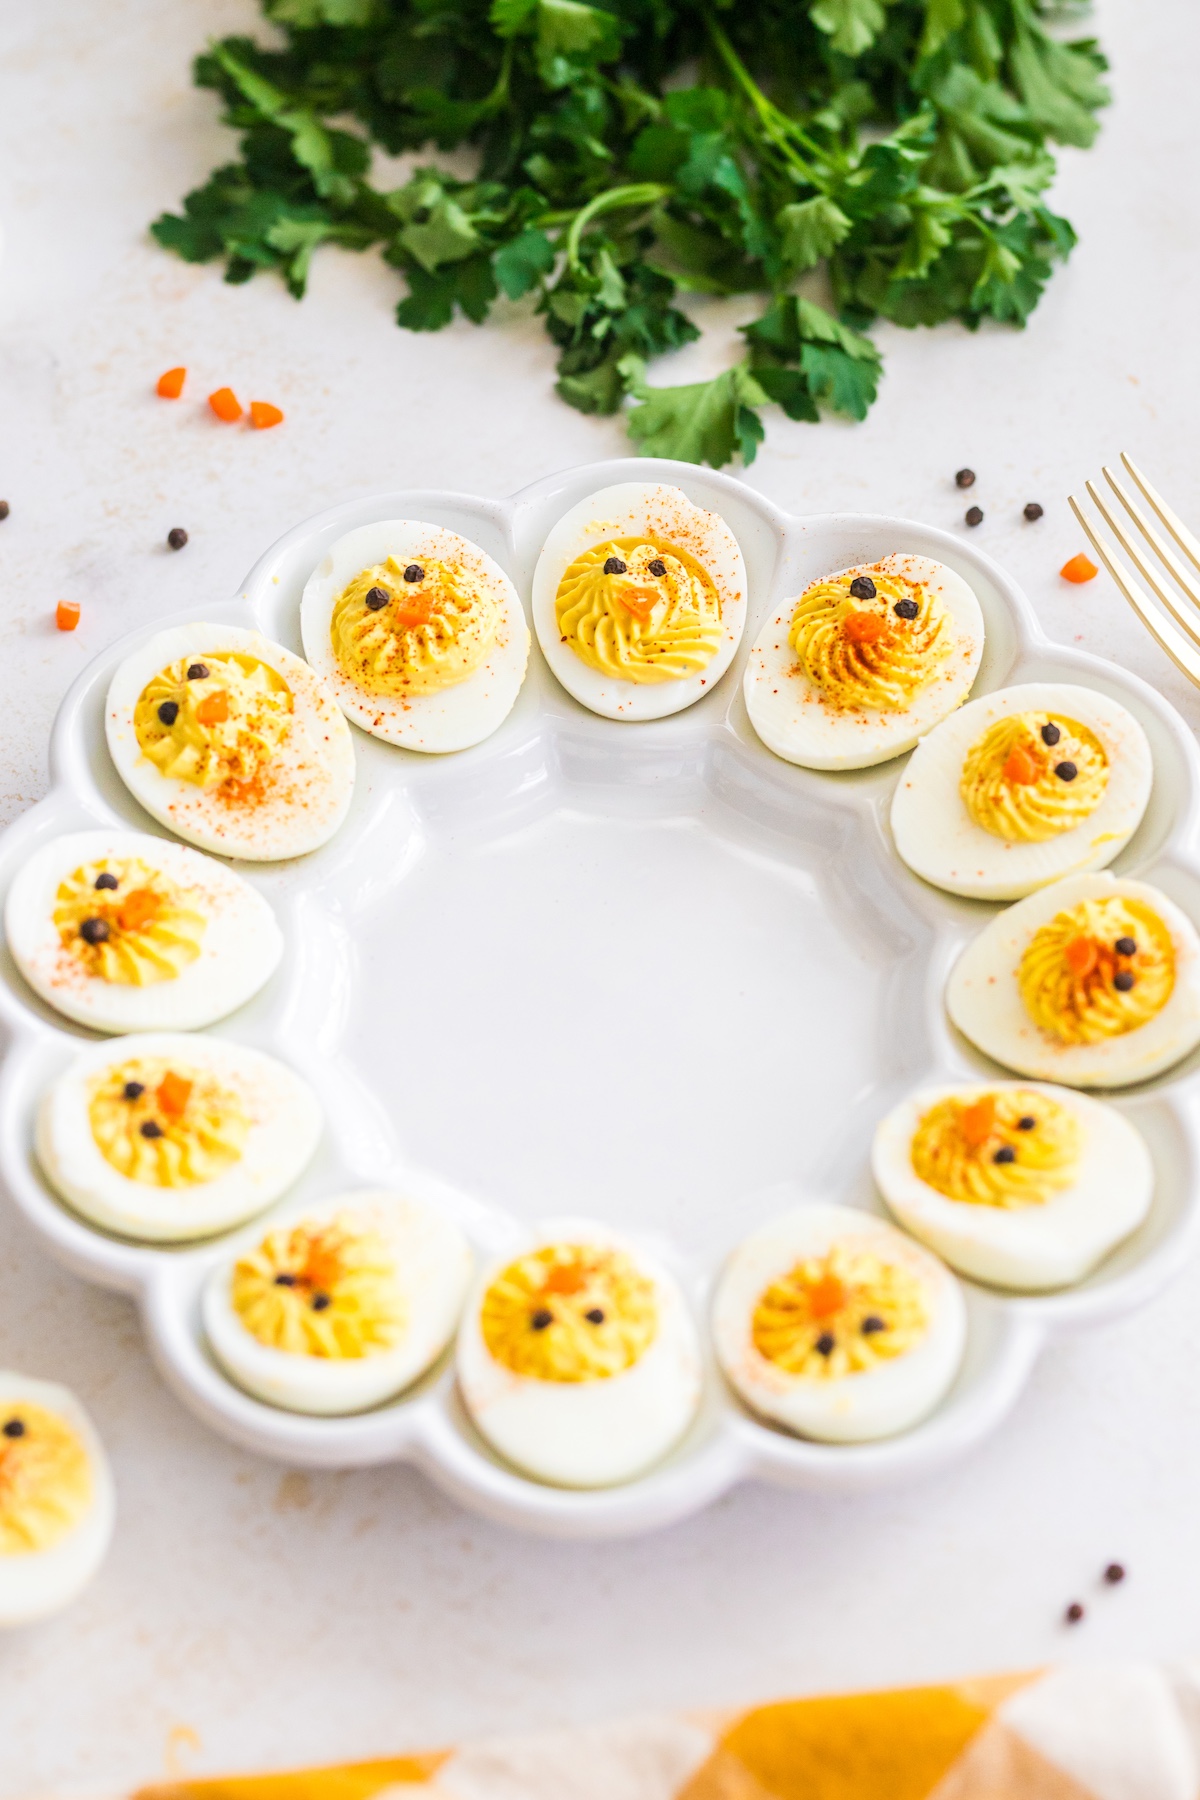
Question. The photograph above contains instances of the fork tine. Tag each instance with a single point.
(1155, 540)
(1174, 524)
(1143, 568)
(1181, 653)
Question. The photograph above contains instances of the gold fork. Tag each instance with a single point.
(1178, 644)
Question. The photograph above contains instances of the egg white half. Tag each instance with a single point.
(456, 717)
(984, 1000)
(239, 952)
(433, 1267)
(585, 1434)
(285, 1127)
(1027, 1248)
(939, 840)
(871, 1403)
(632, 509)
(36, 1583)
(793, 719)
(310, 780)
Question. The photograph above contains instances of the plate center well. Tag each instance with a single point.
(638, 1020)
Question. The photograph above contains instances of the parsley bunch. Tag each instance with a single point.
(632, 150)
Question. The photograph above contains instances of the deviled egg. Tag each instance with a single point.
(125, 932)
(832, 1323)
(56, 1499)
(1022, 1185)
(1093, 982)
(231, 741)
(639, 600)
(1021, 787)
(578, 1359)
(418, 633)
(864, 663)
(166, 1137)
(340, 1306)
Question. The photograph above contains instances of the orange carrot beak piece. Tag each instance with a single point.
(826, 1297)
(173, 1092)
(864, 627)
(139, 908)
(1081, 956)
(1021, 767)
(977, 1122)
(213, 709)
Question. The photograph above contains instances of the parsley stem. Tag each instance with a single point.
(638, 193)
(783, 132)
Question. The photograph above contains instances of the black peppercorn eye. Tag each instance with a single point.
(1005, 1154)
(320, 1302)
(95, 931)
(376, 598)
(863, 588)
(414, 572)
(595, 1315)
(133, 1090)
(1050, 734)
(151, 1129)
(541, 1318)
(825, 1343)
(168, 712)
(1123, 980)
(1066, 771)
(614, 566)
(13, 1428)
(197, 671)
(1027, 1123)
(906, 609)
(658, 566)
(285, 1281)
(105, 880)
(871, 1324)
(1126, 946)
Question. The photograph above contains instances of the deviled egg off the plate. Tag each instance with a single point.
(1022, 1185)
(126, 932)
(1093, 981)
(341, 1306)
(1021, 787)
(578, 1359)
(639, 600)
(864, 663)
(832, 1323)
(418, 633)
(56, 1499)
(231, 741)
(165, 1137)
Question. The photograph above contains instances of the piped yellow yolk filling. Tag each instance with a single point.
(164, 1125)
(327, 1290)
(1008, 1149)
(127, 923)
(569, 1312)
(1032, 776)
(870, 640)
(45, 1478)
(640, 610)
(839, 1314)
(413, 629)
(214, 719)
(1098, 970)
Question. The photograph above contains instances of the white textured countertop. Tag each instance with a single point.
(249, 1616)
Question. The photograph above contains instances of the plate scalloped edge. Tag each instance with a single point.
(711, 750)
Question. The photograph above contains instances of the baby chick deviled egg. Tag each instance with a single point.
(639, 600)
(864, 663)
(1021, 787)
(1024, 1186)
(1093, 981)
(166, 1137)
(231, 741)
(578, 1359)
(56, 1499)
(125, 932)
(340, 1306)
(832, 1323)
(419, 635)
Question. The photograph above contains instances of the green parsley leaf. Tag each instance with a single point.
(852, 25)
(810, 229)
(521, 263)
(706, 421)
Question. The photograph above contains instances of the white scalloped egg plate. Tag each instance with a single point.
(646, 972)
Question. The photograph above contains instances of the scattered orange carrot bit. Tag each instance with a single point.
(213, 709)
(226, 405)
(138, 909)
(170, 385)
(173, 1092)
(1021, 767)
(66, 615)
(263, 415)
(1080, 568)
(1081, 956)
(826, 1297)
(977, 1122)
(864, 627)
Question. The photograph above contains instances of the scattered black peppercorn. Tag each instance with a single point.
(4, 509)
(13, 1428)
(871, 1324)
(177, 537)
(614, 566)
(1050, 734)
(197, 671)
(1027, 1123)
(965, 478)
(151, 1129)
(1074, 1613)
(825, 1343)
(1123, 980)
(1126, 946)
(1066, 771)
(1115, 1572)
(376, 599)
(168, 712)
(974, 515)
(1005, 1154)
(95, 931)
(595, 1315)
(658, 566)
(541, 1318)
(414, 572)
(105, 880)
(320, 1302)
(133, 1090)
(1033, 511)
(285, 1281)
(862, 587)
(906, 609)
